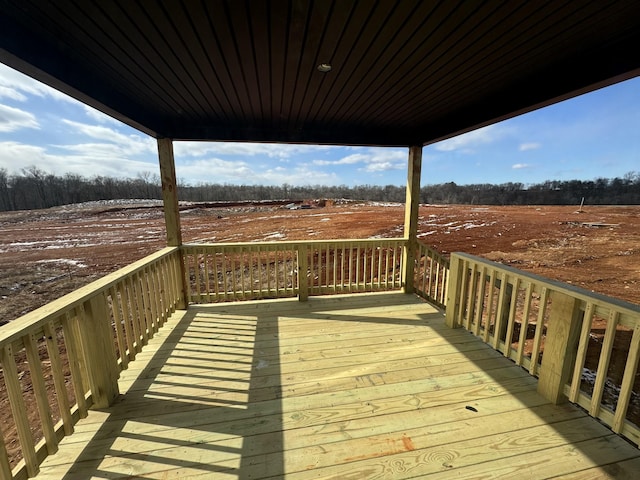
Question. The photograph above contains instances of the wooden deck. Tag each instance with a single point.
(344, 387)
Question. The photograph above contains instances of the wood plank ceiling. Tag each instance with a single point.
(404, 72)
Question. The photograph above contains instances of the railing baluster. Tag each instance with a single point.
(129, 313)
(490, 295)
(373, 266)
(628, 379)
(40, 392)
(464, 285)
(537, 339)
(154, 307)
(76, 363)
(58, 376)
(358, 268)
(480, 301)
(335, 268)
(421, 270)
(387, 261)
(234, 274)
(279, 266)
(326, 263)
(524, 324)
(205, 272)
(196, 275)
(217, 274)
(581, 354)
(303, 277)
(499, 322)
(437, 285)
(603, 363)
(163, 286)
(471, 296)
(431, 292)
(242, 268)
(117, 323)
(18, 409)
(511, 319)
(143, 320)
(342, 266)
(223, 268)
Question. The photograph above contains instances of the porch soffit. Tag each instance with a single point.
(403, 72)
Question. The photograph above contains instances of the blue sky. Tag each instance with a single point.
(594, 135)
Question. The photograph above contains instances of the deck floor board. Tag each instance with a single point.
(343, 387)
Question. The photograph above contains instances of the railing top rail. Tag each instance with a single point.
(580, 293)
(35, 319)
(291, 243)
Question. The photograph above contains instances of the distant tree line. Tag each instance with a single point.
(34, 188)
(601, 191)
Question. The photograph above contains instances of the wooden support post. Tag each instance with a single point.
(561, 344)
(303, 266)
(412, 203)
(169, 192)
(454, 289)
(171, 210)
(98, 351)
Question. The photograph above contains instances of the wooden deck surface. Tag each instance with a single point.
(342, 387)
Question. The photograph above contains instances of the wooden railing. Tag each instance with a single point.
(65, 357)
(431, 275)
(583, 346)
(243, 271)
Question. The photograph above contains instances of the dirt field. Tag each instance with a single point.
(46, 253)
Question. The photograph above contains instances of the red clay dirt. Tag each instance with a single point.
(45, 254)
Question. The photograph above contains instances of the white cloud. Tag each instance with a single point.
(519, 166)
(11, 93)
(81, 164)
(468, 141)
(86, 165)
(216, 170)
(135, 144)
(529, 146)
(300, 175)
(12, 119)
(382, 167)
(213, 170)
(374, 160)
(98, 116)
(348, 160)
(14, 153)
(271, 150)
(16, 84)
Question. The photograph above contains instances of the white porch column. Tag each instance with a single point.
(412, 203)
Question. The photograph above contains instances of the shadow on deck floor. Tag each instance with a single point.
(346, 387)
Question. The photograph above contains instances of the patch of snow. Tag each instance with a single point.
(65, 261)
(385, 204)
(272, 236)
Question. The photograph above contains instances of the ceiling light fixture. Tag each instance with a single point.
(324, 67)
